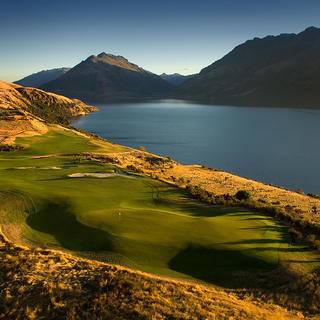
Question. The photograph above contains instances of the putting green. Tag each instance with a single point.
(155, 227)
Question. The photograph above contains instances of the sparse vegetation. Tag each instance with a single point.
(43, 284)
(10, 148)
(142, 148)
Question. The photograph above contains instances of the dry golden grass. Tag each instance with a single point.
(21, 122)
(46, 284)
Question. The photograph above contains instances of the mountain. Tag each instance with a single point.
(104, 77)
(36, 80)
(176, 78)
(279, 70)
(25, 111)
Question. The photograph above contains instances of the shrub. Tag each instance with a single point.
(142, 148)
(295, 235)
(312, 195)
(311, 239)
(243, 195)
(314, 210)
(9, 148)
(299, 190)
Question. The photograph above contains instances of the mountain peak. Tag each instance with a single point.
(310, 32)
(105, 76)
(311, 29)
(113, 60)
(111, 56)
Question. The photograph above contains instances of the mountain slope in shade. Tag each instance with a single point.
(36, 80)
(279, 70)
(104, 77)
(176, 78)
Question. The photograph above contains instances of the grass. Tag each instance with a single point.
(42, 284)
(154, 226)
(58, 140)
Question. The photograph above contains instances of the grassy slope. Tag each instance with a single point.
(53, 285)
(160, 229)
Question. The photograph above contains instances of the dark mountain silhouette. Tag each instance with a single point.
(279, 70)
(176, 78)
(36, 80)
(106, 77)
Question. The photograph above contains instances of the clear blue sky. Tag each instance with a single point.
(159, 35)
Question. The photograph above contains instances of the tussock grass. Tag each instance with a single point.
(46, 284)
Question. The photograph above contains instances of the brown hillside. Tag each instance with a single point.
(46, 284)
(23, 111)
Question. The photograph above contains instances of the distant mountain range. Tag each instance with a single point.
(282, 71)
(36, 80)
(105, 77)
(279, 70)
(176, 78)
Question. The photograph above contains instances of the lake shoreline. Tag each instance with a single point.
(258, 143)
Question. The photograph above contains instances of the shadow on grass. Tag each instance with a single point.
(220, 267)
(57, 219)
(169, 196)
(275, 228)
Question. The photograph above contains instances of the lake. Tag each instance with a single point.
(273, 145)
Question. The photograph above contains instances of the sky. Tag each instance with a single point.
(158, 35)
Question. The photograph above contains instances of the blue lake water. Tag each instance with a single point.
(273, 145)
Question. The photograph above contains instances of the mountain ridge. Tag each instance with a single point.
(106, 76)
(176, 78)
(36, 80)
(278, 70)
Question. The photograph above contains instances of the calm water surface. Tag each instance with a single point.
(273, 145)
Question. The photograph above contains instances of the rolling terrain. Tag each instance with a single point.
(280, 71)
(107, 77)
(64, 191)
(149, 224)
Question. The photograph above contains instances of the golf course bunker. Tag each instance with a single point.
(42, 168)
(101, 175)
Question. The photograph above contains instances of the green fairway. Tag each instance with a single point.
(155, 227)
(59, 140)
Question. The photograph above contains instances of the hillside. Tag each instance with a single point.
(104, 77)
(25, 111)
(176, 78)
(276, 71)
(82, 219)
(46, 205)
(36, 80)
(46, 284)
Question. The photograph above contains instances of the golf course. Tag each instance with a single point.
(51, 198)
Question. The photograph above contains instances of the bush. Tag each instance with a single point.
(9, 148)
(315, 210)
(311, 238)
(142, 148)
(299, 190)
(295, 235)
(243, 195)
